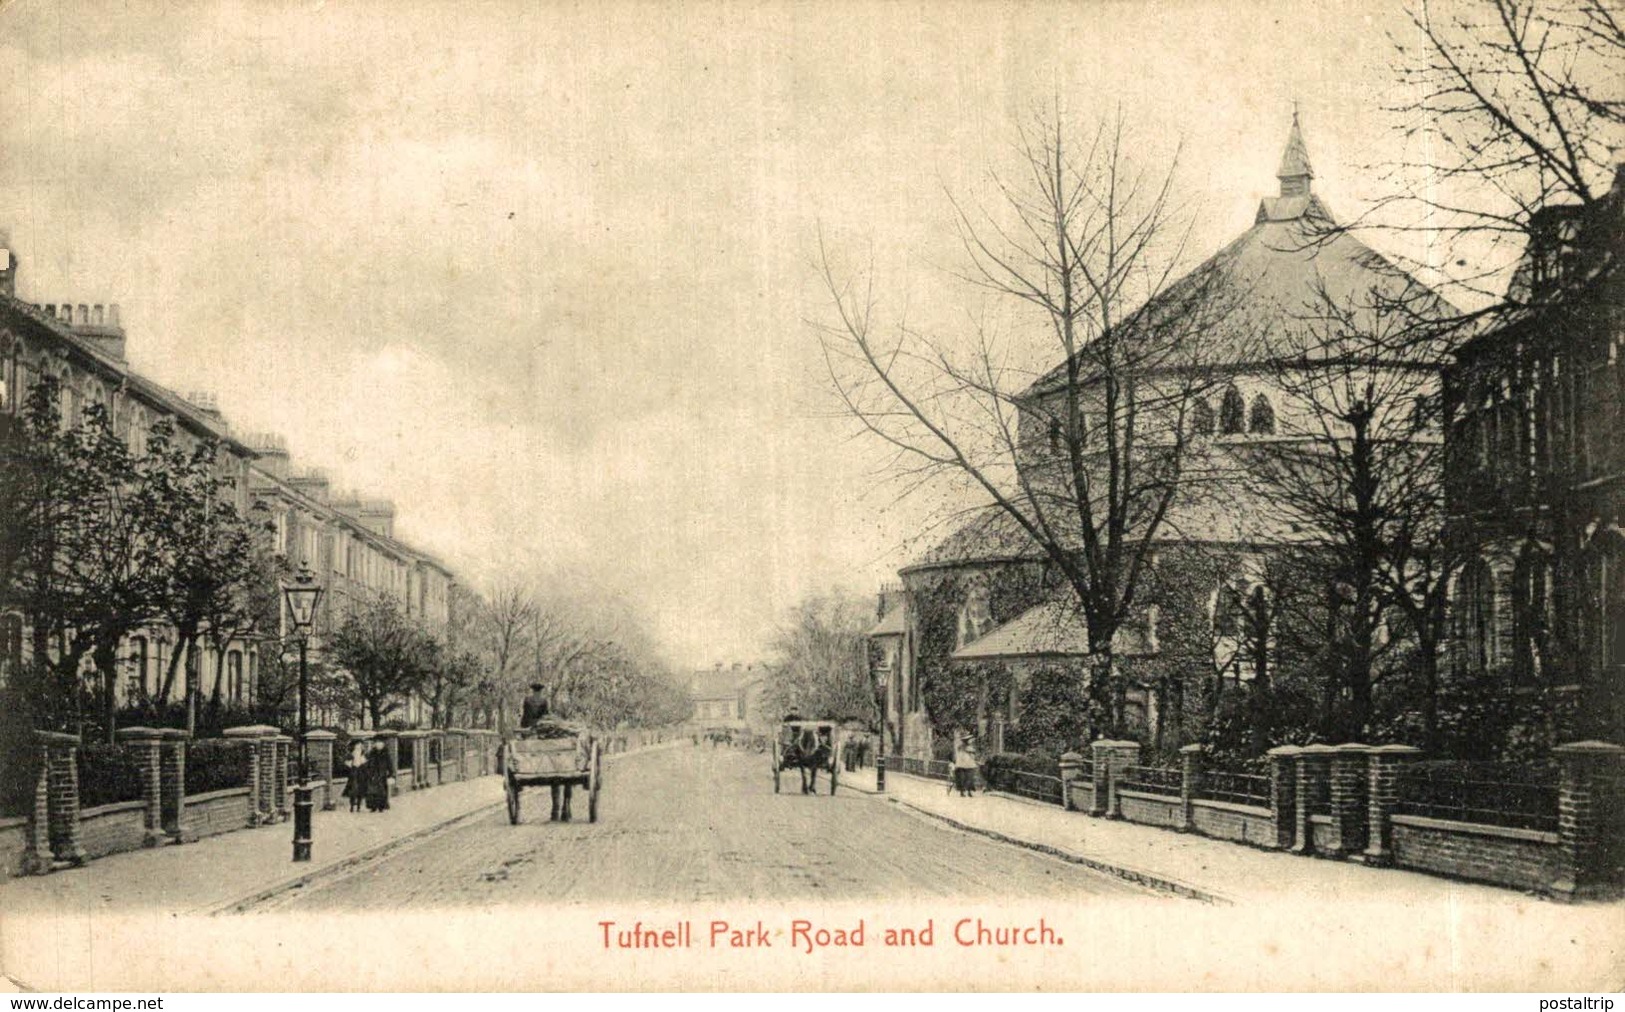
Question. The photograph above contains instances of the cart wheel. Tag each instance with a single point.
(595, 783)
(832, 778)
(512, 790)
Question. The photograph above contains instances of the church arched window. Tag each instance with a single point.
(1261, 420)
(1232, 412)
(1201, 423)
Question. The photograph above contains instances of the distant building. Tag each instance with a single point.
(727, 696)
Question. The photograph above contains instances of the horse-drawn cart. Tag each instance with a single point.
(807, 746)
(557, 755)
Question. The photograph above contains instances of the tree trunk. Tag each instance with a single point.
(106, 656)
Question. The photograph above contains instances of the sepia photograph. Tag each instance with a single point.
(691, 496)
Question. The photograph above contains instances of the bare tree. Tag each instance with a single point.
(1356, 466)
(1088, 459)
(1507, 106)
(504, 628)
(820, 663)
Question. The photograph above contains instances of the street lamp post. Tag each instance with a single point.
(302, 593)
(885, 711)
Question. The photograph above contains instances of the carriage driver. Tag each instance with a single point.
(535, 709)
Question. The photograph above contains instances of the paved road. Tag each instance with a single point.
(690, 824)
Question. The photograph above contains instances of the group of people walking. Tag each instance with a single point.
(369, 777)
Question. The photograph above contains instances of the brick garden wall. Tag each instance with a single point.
(216, 812)
(1150, 809)
(1521, 858)
(13, 842)
(112, 829)
(1241, 823)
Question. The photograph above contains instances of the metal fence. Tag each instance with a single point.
(1038, 786)
(1236, 788)
(937, 769)
(1152, 780)
(1479, 793)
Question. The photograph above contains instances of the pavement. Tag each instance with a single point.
(1196, 866)
(221, 873)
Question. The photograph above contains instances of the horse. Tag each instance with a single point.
(808, 756)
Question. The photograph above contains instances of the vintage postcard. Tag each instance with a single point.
(518, 496)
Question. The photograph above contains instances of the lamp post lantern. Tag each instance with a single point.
(302, 593)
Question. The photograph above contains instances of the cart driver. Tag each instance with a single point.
(534, 710)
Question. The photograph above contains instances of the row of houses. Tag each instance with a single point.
(1532, 471)
(349, 542)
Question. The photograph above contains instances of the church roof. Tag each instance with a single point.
(1265, 292)
(1231, 511)
(1055, 628)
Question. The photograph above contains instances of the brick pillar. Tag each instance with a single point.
(1283, 793)
(1313, 766)
(1071, 771)
(146, 744)
(1588, 793)
(282, 747)
(1382, 793)
(53, 835)
(319, 754)
(415, 738)
(176, 741)
(392, 748)
(1110, 758)
(259, 770)
(1191, 766)
(1347, 794)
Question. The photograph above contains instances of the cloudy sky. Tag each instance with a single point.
(541, 272)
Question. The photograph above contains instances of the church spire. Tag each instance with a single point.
(1295, 173)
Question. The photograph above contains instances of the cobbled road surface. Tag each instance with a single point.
(686, 824)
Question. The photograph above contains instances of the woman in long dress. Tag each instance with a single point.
(355, 787)
(377, 779)
(965, 765)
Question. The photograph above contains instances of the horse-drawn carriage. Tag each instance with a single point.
(807, 746)
(554, 754)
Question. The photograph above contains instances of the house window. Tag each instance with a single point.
(1261, 421)
(234, 676)
(140, 684)
(1476, 626)
(1232, 412)
(11, 646)
(1531, 615)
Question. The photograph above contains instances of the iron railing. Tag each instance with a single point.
(1472, 793)
(1152, 780)
(1038, 786)
(936, 769)
(1236, 788)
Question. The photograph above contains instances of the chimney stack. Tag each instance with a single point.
(8, 265)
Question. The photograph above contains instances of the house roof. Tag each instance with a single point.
(1264, 296)
(1055, 628)
(890, 624)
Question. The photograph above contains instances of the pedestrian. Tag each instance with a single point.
(355, 787)
(377, 778)
(534, 709)
(964, 764)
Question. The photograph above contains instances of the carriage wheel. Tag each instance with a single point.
(512, 790)
(595, 781)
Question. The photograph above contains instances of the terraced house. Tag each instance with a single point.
(82, 347)
(1536, 482)
(349, 542)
